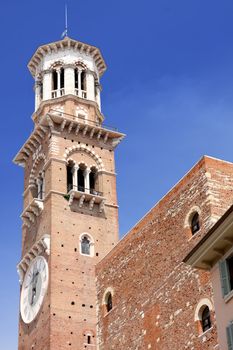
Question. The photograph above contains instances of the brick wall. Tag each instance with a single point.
(68, 313)
(154, 293)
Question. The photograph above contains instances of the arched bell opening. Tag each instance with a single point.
(70, 176)
(93, 180)
(58, 82)
(81, 178)
(80, 82)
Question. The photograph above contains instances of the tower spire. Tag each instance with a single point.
(65, 33)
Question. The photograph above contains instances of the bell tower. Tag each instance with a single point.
(70, 213)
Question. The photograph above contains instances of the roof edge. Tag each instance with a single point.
(202, 159)
(68, 42)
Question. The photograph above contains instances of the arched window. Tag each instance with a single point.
(205, 319)
(202, 315)
(80, 82)
(69, 174)
(109, 302)
(195, 223)
(92, 177)
(76, 78)
(83, 80)
(85, 245)
(58, 81)
(81, 178)
(54, 80)
(62, 78)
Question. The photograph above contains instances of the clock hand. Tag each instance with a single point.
(31, 275)
(35, 280)
(36, 277)
(33, 292)
(33, 295)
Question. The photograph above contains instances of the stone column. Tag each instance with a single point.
(69, 80)
(58, 82)
(75, 177)
(97, 98)
(90, 84)
(37, 89)
(79, 84)
(47, 85)
(87, 180)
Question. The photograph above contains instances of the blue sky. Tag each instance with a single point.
(169, 87)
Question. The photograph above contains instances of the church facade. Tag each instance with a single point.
(82, 288)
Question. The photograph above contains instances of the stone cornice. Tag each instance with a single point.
(89, 198)
(42, 245)
(111, 173)
(31, 145)
(71, 124)
(62, 99)
(67, 65)
(66, 43)
(103, 200)
(111, 205)
(54, 192)
(88, 129)
(26, 191)
(33, 210)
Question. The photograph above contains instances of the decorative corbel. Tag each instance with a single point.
(71, 198)
(50, 122)
(46, 244)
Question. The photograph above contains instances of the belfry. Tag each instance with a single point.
(70, 212)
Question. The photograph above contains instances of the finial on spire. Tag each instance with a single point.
(65, 33)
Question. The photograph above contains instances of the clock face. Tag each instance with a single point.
(33, 289)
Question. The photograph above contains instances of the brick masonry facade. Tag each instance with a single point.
(68, 313)
(154, 294)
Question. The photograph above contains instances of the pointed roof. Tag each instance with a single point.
(67, 43)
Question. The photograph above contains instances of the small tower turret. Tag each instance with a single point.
(67, 67)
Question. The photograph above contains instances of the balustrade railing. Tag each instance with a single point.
(87, 121)
(92, 191)
(58, 93)
(80, 93)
